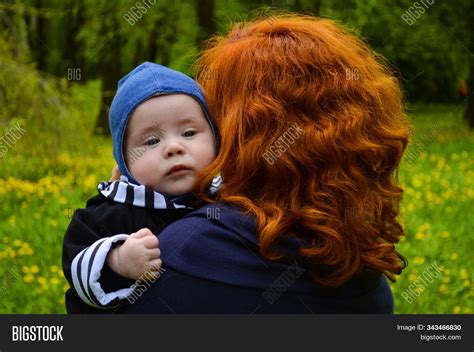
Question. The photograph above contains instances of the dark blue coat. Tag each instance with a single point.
(213, 266)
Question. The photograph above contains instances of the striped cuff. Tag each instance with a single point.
(86, 269)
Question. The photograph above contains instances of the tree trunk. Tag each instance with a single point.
(205, 16)
(109, 73)
(109, 69)
(38, 40)
(469, 112)
(315, 7)
(74, 49)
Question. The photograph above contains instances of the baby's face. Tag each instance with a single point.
(168, 141)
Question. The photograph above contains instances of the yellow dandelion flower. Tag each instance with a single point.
(54, 281)
(412, 277)
(53, 222)
(463, 273)
(12, 220)
(28, 278)
(34, 269)
(416, 182)
(11, 252)
(411, 207)
(17, 243)
(65, 288)
(445, 234)
(454, 256)
(456, 310)
(42, 280)
(89, 182)
(62, 200)
(443, 289)
(5, 239)
(418, 260)
(466, 310)
(466, 283)
(54, 268)
(420, 236)
(424, 227)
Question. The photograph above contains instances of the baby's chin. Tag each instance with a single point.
(176, 191)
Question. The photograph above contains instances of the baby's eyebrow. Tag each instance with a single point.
(150, 129)
(188, 119)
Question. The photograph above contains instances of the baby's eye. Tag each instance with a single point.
(152, 141)
(189, 133)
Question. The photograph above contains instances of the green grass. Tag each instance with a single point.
(437, 214)
(39, 189)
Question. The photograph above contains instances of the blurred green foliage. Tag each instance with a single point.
(54, 167)
(429, 52)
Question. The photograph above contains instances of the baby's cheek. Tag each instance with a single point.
(144, 170)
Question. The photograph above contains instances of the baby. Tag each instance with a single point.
(162, 136)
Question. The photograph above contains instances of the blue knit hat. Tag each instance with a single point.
(144, 82)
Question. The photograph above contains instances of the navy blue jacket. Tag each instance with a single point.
(213, 265)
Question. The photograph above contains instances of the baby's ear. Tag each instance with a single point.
(115, 174)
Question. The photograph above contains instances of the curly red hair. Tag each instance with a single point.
(334, 188)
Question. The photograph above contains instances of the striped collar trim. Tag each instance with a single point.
(123, 191)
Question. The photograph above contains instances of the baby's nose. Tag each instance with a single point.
(174, 148)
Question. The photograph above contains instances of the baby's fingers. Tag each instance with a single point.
(153, 271)
(142, 233)
(150, 242)
(155, 265)
(154, 253)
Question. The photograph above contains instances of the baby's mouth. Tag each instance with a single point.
(178, 169)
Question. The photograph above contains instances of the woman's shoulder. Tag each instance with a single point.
(212, 219)
(217, 242)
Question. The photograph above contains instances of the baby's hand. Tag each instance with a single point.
(138, 254)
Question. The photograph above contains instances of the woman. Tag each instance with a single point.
(313, 131)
